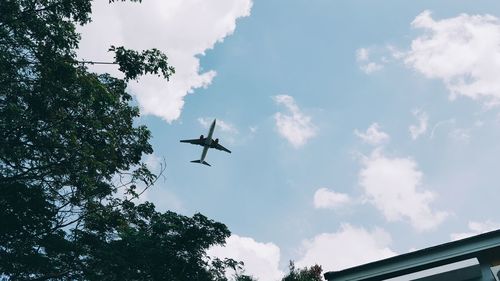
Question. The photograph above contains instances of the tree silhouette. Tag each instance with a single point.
(68, 147)
(312, 273)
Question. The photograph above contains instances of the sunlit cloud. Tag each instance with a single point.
(365, 64)
(421, 127)
(329, 199)
(157, 24)
(373, 135)
(394, 186)
(294, 126)
(463, 52)
(349, 246)
(261, 259)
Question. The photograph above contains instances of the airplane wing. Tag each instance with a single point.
(219, 147)
(200, 141)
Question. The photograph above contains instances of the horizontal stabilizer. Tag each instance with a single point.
(198, 161)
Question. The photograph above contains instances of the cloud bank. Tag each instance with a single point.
(463, 52)
(349, 246)
(261, 259)
(394, 187)
(183, 29)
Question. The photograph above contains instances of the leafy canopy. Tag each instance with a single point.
(69, 148)
(312, 273)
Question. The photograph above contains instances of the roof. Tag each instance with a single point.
(484, 247)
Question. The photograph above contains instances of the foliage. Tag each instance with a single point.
(244, 278)
(312, 273)
(68, 147)
(133, 63)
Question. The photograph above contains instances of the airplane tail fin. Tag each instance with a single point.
(198, 161)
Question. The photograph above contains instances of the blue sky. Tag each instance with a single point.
(359, 129)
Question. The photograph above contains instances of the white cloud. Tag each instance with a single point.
(261, 259)
(348, 247)
(373, 135)
(367, 66)
(395, 52)
(183, 29)
(296, 127)
(328, 199)
(421, 127)
(394, 186)
(464, 52)
(362, 54)
(371, 67)
(476, 228)
(220, 124)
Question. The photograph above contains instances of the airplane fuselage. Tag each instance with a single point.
(208, 141)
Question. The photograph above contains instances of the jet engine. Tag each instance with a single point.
(201, 137)
(216, 141)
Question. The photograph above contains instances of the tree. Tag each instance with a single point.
(312, 273)
(244, 278)
(67, 146)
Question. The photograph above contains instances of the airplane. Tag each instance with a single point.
(207, 143)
